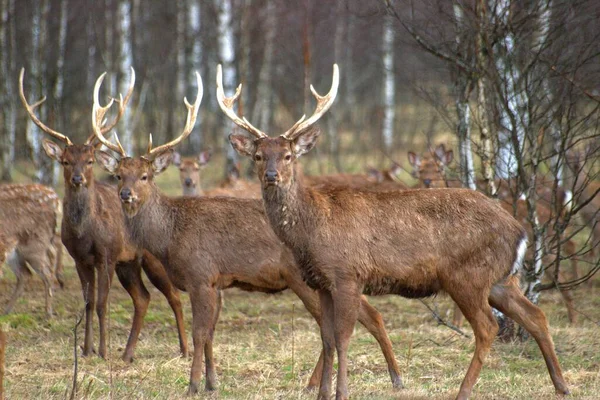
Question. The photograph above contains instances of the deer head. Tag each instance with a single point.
(136, 175)
(430, 169)
(77, 160)
(189, 171)
(274, 156)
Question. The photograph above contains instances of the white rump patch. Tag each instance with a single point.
(521, 249)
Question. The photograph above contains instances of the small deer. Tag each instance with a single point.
(2, 353)
(414, 243)
(189, 172)
(29, 215)
(210, 243)
(94, 233)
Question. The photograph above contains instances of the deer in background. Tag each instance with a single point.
(29, 215)
(208, 244)
(189, 172)
(94, 233)
(430, 169)
(409, 242)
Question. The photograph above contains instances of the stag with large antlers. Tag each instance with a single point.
(414, 243)
(209, 244)
(94, 233)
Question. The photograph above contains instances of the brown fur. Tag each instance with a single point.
(209, 244)
(29, 215)
(413, 242)
(2, 353)
(93, 232)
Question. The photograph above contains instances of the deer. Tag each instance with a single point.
(189, 172)
(2, 353)
(212, 243)
(94, 233)
(414, 243)
(29, 215)
(430, 170)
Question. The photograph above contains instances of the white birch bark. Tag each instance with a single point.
(262, 108)
(194, 21)
(109, 45)
(125, 62)
(388, 84)
(59, 84)
(180, 85)
(91, 53)
(226, 58)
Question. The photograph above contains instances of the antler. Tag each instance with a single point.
(226, 104)
(98, 113)
(189, 123)
(30, 110)
(122, 105)
(323, 104)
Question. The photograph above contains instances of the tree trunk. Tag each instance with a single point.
(91, 53)
(262, 108)
(7, 48)
(194, 21)
(227, 58)
(109, 48)
(125, 62)
(388, 84)
(59, 83)
(334, 119)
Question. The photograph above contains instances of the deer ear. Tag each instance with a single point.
(176, 159)
(306, 141)
(449, 156)
(413, 159)
(162, 161)
(53, 150)
(244, 145)
(107, 161)
(204, 158)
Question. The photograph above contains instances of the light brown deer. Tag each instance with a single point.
(2, 353)
(29, 215)
(412, 242)
(430, 169)
(189, 172)
(209, 244)
(94, 233)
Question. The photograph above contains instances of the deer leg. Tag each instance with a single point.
(129, 275)
(105, 272)
(88, 285)
(479, 314)
(373, 321)
(203, 299)
(211, 374)
(159, 278)
(328, 339)
(508, 298)
(58, 260)
(17, 265)
(41, 264)
(457, 317)
(346, 306)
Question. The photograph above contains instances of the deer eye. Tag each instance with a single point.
(65, 163)
(118, 177)
(288, 157)
(144, 177)
(257, 157)
(90, 162)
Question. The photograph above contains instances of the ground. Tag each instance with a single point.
(266, 346)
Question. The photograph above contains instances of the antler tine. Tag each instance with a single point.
(98, 113)
(226, 104)
(30, 110)
(189, 123)
(122, 105)
(323, 104)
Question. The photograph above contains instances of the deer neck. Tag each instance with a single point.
(151, 228)
(291, 210)
(79, 206)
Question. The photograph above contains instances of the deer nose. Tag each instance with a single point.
(77, 179)
(427, 182)
(271, 176)
(188, 182)
(125, 194)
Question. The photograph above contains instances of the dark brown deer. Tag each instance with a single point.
(209, 244)
(430, 170)
(94, 233)
(29, 215)
(2, 353)
(189, 172)
(412, 242)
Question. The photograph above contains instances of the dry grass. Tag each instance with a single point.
(260, 356)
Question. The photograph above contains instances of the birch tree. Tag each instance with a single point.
(7, 49)
(263, 105)
(194, 25)
(125, 62)
(59, 83)
(389, 90)
(338, 47)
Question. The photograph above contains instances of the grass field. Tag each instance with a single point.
(266, 346)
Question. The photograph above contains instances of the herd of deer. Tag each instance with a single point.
(329, 239)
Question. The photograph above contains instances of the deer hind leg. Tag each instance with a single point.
(42, 265)
(477, 311)
(159, 278)
(105, 275)
(457, 316)
(129, 275)
(507, 298)
(373, 321)
(204, 305)
(19, 268)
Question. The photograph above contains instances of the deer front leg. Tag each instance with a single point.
(88, 288)
(105, 272)
(328, 339)
(203, 299)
